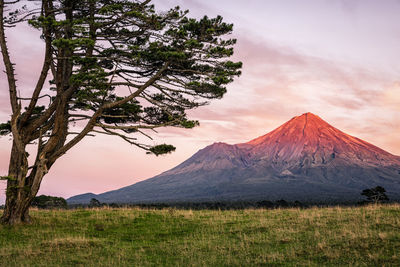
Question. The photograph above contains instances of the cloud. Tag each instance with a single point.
(391, 96)
(349, 6)
(279, 82)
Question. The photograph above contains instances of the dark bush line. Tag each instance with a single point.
(221, 205)
(374, 195)
(49, 202)
(218, 205)
(224, 205)
(212, 205)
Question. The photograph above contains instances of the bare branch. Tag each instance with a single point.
(45, 68)
(30, 98)
(135, 127)
(8, 64)
(126, 139)
(73, 133)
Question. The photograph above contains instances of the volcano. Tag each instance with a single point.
(305, 159)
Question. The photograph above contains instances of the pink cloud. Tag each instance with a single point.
(279, 83)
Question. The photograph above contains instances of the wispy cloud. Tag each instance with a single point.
(279, 83)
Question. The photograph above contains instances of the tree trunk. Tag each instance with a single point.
(21, 189)
(17, 209)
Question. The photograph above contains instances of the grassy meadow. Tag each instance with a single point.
(338, 236)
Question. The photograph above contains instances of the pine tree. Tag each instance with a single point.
(375, 195)
(116, 67)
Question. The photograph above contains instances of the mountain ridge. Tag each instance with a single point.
(305, 157)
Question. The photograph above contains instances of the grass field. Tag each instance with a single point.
(362, 236)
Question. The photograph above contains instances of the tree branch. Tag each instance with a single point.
(125, 138)
(44, 71)
(89, 126)
(8, 64)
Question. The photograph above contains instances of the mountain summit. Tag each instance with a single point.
(304, 159)
(310, 141)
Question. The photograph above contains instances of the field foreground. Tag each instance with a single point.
(364, 236)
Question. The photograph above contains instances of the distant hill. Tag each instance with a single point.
(305, 159)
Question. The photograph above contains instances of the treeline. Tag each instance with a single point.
(373, 195)
(47, 202)
(220, 205)
(213, 205)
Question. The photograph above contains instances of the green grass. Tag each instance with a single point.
(362, 236)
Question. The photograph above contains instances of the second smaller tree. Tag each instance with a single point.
(375, 195)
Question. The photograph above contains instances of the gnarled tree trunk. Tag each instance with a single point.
(21, 188)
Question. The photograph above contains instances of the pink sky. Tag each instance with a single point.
(337, 59)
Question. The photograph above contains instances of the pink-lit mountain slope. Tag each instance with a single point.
(311, 141)
(305, 159)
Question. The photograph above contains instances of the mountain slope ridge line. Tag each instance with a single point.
(304, 159)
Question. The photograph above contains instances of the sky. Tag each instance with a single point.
(339, 59)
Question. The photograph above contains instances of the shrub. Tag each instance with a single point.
(375, 195)
(49, 202)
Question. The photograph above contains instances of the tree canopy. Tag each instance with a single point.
(375, 194)
(112, 67)
(49, 202)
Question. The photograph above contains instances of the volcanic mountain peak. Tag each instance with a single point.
(305, 140)
(298, 128)
(309, 138)
(304, 159)
(308, 120)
